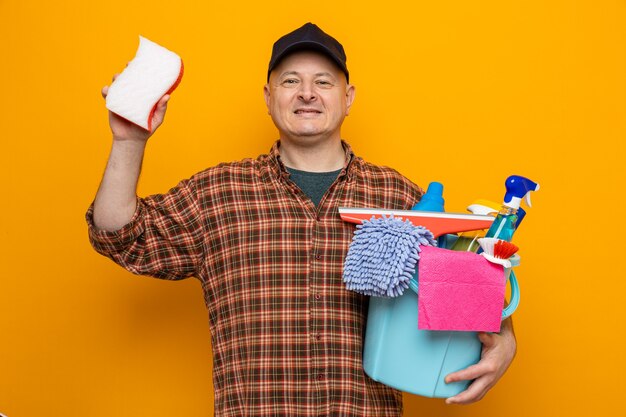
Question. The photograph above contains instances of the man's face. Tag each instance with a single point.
(308, 97)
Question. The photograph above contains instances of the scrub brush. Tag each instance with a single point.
(497, 251)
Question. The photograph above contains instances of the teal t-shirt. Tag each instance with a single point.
(313, 184)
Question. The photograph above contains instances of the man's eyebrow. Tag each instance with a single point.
(318, 74)
(284, 74)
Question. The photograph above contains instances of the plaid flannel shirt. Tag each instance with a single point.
(286, 334)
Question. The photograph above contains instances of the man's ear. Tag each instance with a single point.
(350, 94)
(266, 93)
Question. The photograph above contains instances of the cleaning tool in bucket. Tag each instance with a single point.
(384, 251)
(382, 256)
(497, 250)
(438, 223)
(517, 188)
(153, 73)
(432, 200)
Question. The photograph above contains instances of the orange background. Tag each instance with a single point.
(461, 92)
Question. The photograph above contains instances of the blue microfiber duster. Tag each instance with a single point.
(382, 256)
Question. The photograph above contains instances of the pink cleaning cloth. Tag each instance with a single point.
(459, 291)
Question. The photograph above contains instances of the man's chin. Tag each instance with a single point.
(307, 138)
(307, 133)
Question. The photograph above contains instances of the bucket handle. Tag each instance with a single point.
(513, 303)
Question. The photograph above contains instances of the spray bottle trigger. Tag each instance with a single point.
(528, 194)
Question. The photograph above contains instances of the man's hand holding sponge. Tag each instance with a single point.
(137, 98)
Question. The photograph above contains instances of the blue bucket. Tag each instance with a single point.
(399, 355)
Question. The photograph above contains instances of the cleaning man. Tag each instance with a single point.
(265, 239)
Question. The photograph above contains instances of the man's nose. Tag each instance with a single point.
(307, 92)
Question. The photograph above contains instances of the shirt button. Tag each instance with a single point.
(318, 256)
(320, 377)
(318, 297)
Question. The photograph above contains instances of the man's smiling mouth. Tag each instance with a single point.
(307, 111)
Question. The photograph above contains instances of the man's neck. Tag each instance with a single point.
(325, 156)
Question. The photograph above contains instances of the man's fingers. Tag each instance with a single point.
(476, 370)
(163, 102)
(487, 339)
(475, 392)
(469, 373)
(159, 114)
(161, 108)
(105, 89)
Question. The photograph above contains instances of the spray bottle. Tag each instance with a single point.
(517, 188)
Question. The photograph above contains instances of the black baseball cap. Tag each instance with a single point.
(308, 37)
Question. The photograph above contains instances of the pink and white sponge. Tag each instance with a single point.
(154, 72)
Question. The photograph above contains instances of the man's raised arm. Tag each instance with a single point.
(116, 199)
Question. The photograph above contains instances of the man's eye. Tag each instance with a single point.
(324, 83)
(290, 81)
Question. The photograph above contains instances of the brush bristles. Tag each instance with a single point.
(504, 250)
(497, 248)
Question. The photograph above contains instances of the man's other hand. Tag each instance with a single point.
(497, 354)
